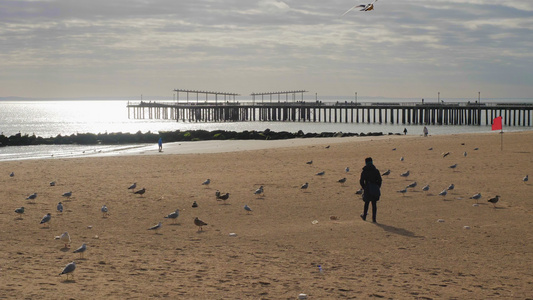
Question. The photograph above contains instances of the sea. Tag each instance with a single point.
(49, 118)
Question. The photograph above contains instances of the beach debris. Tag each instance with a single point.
(65, 238)
(411, 185)
(247, 208)
(32, 196)
(304, 186)
(386, 173)
(334, 218)
(466, 227)
(173, 215)
(105, 211)
(69, 269)
(67, 194)
(445, 154)
(140, 192)
(194, 204)
(321, 173)
(20, 210)
(133, 186)
(53, 183)
(60, 207)
(206, 182)
(405, 174)
(309, 162)
(156, 227)
(526, 178)
(81, 250)
(440, 220)
(426, 188)
(233, 234)
(259, 191)
(46, 219)
(342, 180)
(12, 174)
(199, 223)
(475, 205)
(302, 296)
(451, 187)
(96, 237)
(494, 200)
(89, 226)
(314, 222)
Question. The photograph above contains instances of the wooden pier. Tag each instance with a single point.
(513, 114)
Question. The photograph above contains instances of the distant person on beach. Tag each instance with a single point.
(371, 183)
(405, 131)
(160, 143)
(426, 131)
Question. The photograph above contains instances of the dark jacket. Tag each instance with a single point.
(369, 174)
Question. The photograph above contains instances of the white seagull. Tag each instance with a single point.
(259, 191)
(405, 174)
(451, 187)
(526, 178)
(32, 196)
(104, 211)
(403, 191)
(386, 173)
(156, 227)
(46, 219)
(444, 192)
(304, 186)
(81, 250)
(247, 208)
(453, 166)
(12, 174)
(60, 207)
(65, 238)
(133, 186)
(412, 185)
(206, 182)
(321, 173)
(347, 169)
(173, 215)
(476, 196)
(67, 194)
(69, 269)
(426, 188)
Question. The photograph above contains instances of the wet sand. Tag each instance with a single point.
(275, 254)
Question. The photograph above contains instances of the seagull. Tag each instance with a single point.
(259, 191)
(104, 211)
(386, 173)
(65, 238)
(224, 197)
(445, 154)
(206, 182)
(403, 191)
(465, 154)
(199, 223)
(412, 185)
(67, 194)
(453, 166)
(443, 193)
(60, 207)
(393, 149)
(173, 215)
(304, 186)
(69, 269)
(405, 174)
(476, 148)
(133, 186)
(494, 200)
(451, 187)
(247, 208)
(426, 188)
(359, 192)
(12, 174)
(81, 250)
(32, 196)
(46, 219)
(321, 173)
(401, 158)
(476, 196)
(141, 191)
(53, 183)
(155, 227)
(526, 178)
(347, 169)
(194, 204)
(431, 148)
(342, 180)
(20, 210)
(327, 147)
(309, 162)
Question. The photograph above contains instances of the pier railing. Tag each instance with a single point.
(442, 113)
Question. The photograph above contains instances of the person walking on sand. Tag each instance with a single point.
(371, 183)
(426, 131)
(160, 143)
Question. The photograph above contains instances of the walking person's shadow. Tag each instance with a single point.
(397, 230)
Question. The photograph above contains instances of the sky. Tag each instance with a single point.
(401, 49)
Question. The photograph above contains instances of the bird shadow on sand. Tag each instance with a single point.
(42, 227)
(397, 230)
(64, 249)
(68, 281)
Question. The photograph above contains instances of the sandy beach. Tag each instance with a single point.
(424, 246)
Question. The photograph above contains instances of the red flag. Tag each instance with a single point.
(497, 123)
